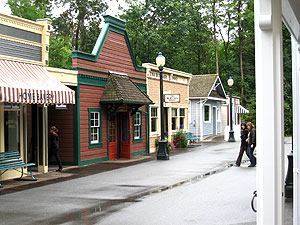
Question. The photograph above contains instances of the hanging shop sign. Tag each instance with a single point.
(60, 106)
(172, 98)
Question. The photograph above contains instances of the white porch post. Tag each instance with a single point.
(269, 112)
(296, 126)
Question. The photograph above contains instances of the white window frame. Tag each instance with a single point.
(154, 117)
(137, 124)
(95, 128)
(176, 125)
(182, 117)
(209, 113)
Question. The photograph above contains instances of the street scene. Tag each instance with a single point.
(196, 186)
(199, 185)
(149, 112)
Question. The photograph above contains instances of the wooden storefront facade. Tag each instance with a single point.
(112, 109)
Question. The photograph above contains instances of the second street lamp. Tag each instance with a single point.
(231, 132)
(162, 153)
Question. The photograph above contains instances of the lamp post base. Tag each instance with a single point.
(231, 136)
(163, 153)
(289, 177)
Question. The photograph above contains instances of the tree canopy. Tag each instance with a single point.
(195, 36)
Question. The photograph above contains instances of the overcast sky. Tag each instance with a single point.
(112, 4)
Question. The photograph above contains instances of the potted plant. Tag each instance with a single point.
(179, 139)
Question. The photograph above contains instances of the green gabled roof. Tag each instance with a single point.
(201, 85)
(121, 89)
(111, 24)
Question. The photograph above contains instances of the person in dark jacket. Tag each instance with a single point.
(54, 146)
(251, 144)
(244, 144)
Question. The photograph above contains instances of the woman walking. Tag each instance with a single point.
(54, 146)
(251, 144)
(244, 144)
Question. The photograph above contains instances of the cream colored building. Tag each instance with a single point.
(27, 90)
(176, 101)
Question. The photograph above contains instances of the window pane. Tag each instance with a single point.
(182, 123)
(182, 112)
(174, 123)
(153, 124)
(206, 112)
(174, 112)
(12, 131)
(153, 112)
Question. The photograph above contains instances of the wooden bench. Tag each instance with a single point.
(190, 137)
(13, 160)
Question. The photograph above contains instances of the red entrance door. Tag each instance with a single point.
(125, 137)
(112, 134)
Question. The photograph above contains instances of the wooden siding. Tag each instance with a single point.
(63, 120)
(89, 98)
(115, 56)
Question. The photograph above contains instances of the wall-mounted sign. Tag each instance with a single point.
(60, 106)
(172, 98)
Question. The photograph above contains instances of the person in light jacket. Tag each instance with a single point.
(54, 146)
(244, 144)
(251, 144)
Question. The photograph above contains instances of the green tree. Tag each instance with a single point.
(30, 9)
(80, 22)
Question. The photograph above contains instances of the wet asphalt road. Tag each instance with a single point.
(178, 191)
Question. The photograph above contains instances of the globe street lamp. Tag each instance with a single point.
(231, 132)
(162, 153)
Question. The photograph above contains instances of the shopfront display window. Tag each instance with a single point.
(174, 119)
(12, 127)
(154, 120)
(182, 118)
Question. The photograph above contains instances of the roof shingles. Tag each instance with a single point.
(201, 85)
(120, 88)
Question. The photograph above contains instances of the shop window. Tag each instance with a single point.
(182, 118)
(206, 113)
(137, 127)
(11, 128)
(95, 128)
(174, 119)
(154, 119)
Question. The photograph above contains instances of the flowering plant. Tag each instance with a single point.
(170, 145)
(180, 140)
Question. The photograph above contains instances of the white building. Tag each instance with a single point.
(269, 16)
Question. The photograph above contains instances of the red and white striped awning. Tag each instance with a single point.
(29, 83)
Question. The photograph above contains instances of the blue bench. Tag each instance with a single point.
(13, 160)
(190, 137)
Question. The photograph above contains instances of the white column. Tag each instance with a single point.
(201, 121)
(269, 112)
(296, 126)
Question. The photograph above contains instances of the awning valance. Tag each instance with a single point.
(241, 109)
(29, 83)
